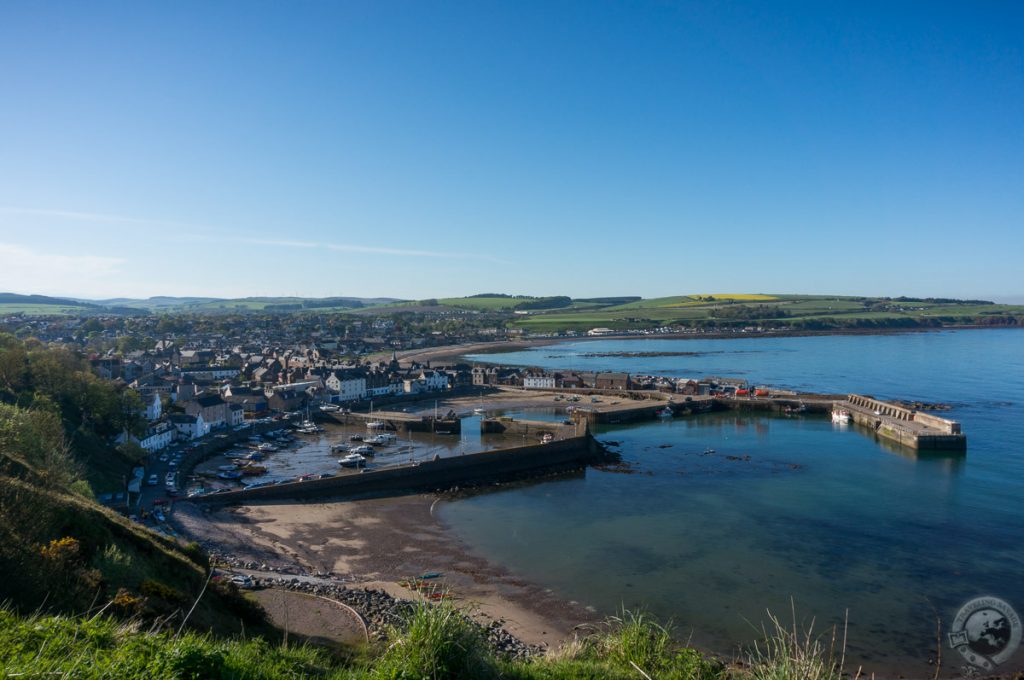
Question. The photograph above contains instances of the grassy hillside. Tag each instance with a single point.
(13, 303)
(434, 643)
(62, 552)
(59, 550)
(791, 311)
(39, 305)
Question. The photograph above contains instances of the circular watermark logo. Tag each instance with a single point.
(986, 632)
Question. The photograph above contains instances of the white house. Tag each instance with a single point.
(347, 385)
(538, 381)
(237, 414)
(434, 380)
(158, 435)
(189, 427)
(413, 386)
(154, 409)
(385, 390)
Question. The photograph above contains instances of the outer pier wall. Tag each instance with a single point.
(440, 473)
(904, 426)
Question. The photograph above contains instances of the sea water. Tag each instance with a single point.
(715, 520)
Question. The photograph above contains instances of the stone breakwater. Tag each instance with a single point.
(378, 609)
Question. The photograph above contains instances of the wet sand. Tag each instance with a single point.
(377, 543)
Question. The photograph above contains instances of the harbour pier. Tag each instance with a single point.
(904, 426)
(396, 421)
(485, 467)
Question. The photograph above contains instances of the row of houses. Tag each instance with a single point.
(542, 380)
(532, 378)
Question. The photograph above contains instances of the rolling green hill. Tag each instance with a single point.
(40, 305)
(13, 303)
(791, 311)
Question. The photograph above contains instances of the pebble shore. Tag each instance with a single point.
(378, 609)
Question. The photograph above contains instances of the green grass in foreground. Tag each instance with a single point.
(437, 642)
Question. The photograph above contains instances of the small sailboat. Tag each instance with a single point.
(374, 424)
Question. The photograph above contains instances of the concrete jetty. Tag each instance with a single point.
(902, 425)
(396, 421)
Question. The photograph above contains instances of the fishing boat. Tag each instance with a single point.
(665, 412)
(363, 450)
(352, 460)
(339, 447)
(840, 415)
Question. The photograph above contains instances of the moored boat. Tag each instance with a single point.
(352, 460)
(840, 415)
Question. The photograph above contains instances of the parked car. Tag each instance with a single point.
(153, 480)
(242, 581)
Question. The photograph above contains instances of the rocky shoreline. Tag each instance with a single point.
(378, 609)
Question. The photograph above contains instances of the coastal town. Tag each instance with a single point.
(511, 341)
(206, 384)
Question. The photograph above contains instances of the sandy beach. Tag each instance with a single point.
(377, 543)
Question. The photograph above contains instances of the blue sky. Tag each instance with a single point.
(422, 149)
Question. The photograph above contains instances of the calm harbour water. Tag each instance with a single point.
(786, 508)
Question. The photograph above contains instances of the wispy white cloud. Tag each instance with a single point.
(277, 243)
(353, 248)
(92, 217)
(194, 232)
(24, 269)
(345, 248)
